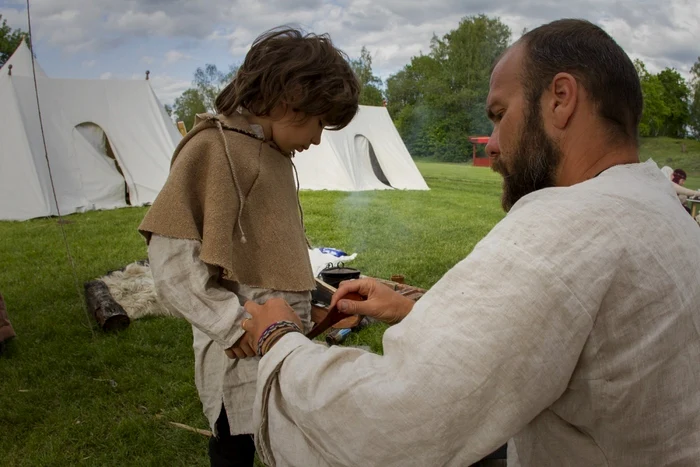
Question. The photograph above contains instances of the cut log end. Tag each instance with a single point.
(109, 314)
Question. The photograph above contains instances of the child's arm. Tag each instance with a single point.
(681, 190)
(188, 286)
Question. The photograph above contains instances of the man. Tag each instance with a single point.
(572, 329)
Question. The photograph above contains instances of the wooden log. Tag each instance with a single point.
(107, 312)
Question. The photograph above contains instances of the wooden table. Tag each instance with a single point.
(694, 205)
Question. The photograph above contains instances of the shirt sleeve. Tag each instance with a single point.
(489, 347)
(189, 287)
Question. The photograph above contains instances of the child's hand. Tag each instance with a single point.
(242, 348)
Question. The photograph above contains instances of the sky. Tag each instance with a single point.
(121, 39)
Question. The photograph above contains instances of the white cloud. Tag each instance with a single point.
(89, 63)
(174, 56)
(107, 75)
(147, 60)
(662, 34)
(16, 18)
(168, 88)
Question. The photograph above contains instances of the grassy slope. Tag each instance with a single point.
(667, 151)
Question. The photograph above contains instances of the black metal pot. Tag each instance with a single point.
(334, 275)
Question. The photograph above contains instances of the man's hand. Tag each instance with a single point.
(381, 302)
(262, 316)
(243, 348)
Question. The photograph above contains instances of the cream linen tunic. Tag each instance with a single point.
(189, 288)
(572, 329)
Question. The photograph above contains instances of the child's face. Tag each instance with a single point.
(296, 132)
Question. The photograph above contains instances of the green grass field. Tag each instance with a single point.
(667, 151)
(72, 395)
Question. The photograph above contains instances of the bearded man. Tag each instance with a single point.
(571, 331)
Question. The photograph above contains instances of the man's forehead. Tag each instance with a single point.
(505, 77)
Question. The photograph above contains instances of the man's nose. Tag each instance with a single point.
(492, 148)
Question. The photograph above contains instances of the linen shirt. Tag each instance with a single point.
(572, 330)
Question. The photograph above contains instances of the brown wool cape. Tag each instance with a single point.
(236, 194)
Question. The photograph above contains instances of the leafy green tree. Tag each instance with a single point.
(208, 81)
(676, 95)
(694, 111)
(438, 100)
(370, 92)
(207, 84)
(656, 111)
(189, 104)
(9, 40)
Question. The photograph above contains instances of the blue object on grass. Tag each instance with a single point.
(333, 251)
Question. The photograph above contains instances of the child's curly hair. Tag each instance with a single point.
(303, 70)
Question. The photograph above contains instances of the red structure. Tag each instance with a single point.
(480, 161)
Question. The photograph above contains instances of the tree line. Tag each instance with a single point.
(438, 99)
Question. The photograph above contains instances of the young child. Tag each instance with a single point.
(227, 226)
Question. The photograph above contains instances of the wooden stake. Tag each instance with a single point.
(199, 431)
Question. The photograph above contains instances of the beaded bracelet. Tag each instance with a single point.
(273, 338)
(287, 325)
(276, 325)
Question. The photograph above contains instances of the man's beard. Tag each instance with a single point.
(533, 163)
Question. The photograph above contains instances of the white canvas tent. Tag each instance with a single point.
(107, 141)
(368, 154)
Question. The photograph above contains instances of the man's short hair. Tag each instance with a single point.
(596, 61)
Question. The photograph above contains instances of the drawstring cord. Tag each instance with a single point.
(235, 181)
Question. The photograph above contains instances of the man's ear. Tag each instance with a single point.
(563, 98)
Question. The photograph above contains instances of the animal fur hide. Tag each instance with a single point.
(133, 288)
